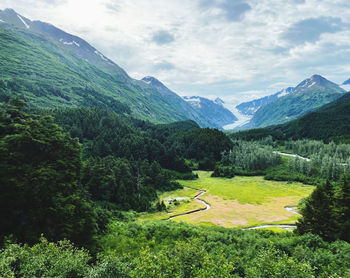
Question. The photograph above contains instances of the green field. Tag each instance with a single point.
(237, 202)
(186, 203)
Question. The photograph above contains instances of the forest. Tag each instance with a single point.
(74, 181)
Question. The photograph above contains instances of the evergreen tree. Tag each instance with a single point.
(39, 181)
(318, 215)
(342, 199)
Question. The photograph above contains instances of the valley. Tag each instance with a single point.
(238, 202)
(149, 171)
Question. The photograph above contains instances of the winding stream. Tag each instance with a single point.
(197, 198)
(280, 226)
(292, 155)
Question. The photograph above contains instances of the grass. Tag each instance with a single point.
(185, 205)
(239, 202)
(247, 190)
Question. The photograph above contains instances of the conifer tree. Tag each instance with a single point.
(318, 215)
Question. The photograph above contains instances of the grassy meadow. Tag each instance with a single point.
(237, 202)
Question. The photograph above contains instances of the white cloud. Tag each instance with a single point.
(204, 47)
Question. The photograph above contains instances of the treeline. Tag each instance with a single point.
(328, 161)
(257, 157)
(327, 167)
(166, 249)
(247, 158)
(123, 184)
(308, 148)
(251, 156)
(103, 133)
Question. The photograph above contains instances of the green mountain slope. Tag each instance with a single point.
(309, 95)
(49, 68)
(330, 122)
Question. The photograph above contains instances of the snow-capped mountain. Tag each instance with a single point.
(196, 108)
(309, 95)
(249, 108)
(214, 110)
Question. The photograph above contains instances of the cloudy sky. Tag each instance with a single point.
(236, 49)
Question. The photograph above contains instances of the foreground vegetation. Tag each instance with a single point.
(166, 249)
(79, 189)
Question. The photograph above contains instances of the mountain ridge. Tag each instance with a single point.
(307, 96)
(250, 107)
(214, 110)
(67, 71)
(329, 123)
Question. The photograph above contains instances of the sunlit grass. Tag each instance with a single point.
(237, 202)
(247, 190)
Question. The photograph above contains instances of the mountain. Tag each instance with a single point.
(209, 113)
(73, 43)
(249, 108)
(50, 68)
(213, 110)
(331, 122)
(309, 95)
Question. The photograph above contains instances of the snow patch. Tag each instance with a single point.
(99, 54)
(147, 82)
(308, 83)
(1, 20)
(25, 23)
(242, 119)
(70, 43)
(283, 93)
(313, 83)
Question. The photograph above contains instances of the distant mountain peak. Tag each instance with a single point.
(153, 81)
(12, 17)
(219, 101)
(315, 79)
(309, 95)
(9, 10)
(214, 109)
